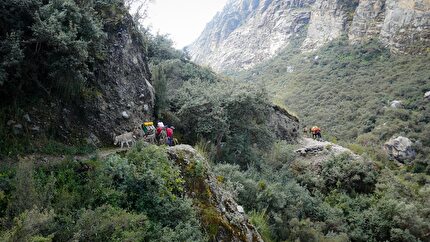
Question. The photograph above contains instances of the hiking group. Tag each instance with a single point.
(315, 131)
(163, 134)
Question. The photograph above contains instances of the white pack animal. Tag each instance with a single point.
(125, 139)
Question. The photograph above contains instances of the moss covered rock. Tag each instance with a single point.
(222, 218)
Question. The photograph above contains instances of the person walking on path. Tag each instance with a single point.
(169, 132)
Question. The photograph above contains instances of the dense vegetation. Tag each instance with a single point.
(209, 108)
(347, 90)
(139, 195)
(342, 200)
(50, 52)
(50, 47)
(135, 197)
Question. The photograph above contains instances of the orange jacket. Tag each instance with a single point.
(315, 130)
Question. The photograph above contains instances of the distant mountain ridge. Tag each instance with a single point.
(248, 32)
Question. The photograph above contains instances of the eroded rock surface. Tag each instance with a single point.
(221, 216)
(248, 32)
(403, 25)
(126, 96)
(284, 125)
(314, 152)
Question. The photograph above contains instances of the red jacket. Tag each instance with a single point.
(159, 129)
(169, 132)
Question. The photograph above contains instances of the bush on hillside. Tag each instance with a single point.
(48, 48)
(233, 117)
(136, 197)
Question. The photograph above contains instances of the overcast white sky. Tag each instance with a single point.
(183, 20)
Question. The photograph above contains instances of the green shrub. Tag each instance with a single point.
(31, 225)
(107, 223)
(259, 220)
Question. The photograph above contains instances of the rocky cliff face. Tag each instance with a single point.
(284, 125)
(221, 216)
(403, 25)
(119, 96)
(328, 22)
(248, 32)
(126, 97)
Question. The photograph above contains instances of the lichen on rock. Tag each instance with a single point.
(221, 216)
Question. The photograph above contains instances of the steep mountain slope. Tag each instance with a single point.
(248, 32)
(71, 71)
(126, 97)
(403, 25)
(352, 91)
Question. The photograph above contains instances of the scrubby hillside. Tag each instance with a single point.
(328, 195)
(351, 91)
(250, 177)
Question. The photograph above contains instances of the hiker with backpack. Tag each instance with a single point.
(169, 133)
(160, 133)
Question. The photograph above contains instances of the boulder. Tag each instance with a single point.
(396, 104)
(93, 140)
(427, 95)
(125, 115)
(10, 122)
(400, 149)
(35, 128)
(240, 209)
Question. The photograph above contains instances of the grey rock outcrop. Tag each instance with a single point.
(315, 152)
(248, 32)
(284, 125)
(216, 207)
(400, 149)
(112, 78)
(396, 104)
(403, 25)
(328, 22)
(368, 20)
